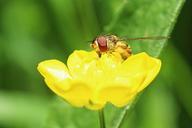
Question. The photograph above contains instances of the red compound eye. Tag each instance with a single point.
(102, 43)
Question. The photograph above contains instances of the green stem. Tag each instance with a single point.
(101, 118)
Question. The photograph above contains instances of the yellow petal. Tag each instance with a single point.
(153, 69)
(78, 95)
(83, 66)
(55, 72)
(133, 75)
(142, 63)
(121, 89)
(79, 61)
(59, 81)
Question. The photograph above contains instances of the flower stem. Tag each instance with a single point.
(101, 118)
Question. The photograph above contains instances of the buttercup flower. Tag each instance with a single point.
(92, 81)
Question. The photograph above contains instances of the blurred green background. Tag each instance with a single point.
(35, 30)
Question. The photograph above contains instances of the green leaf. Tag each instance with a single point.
(144, 18)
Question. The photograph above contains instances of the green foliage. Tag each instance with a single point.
(31, 31)
(180, 79)
(63, 115)
(129, 18)
(20, 110)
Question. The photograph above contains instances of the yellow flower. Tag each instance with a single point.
(92, 81)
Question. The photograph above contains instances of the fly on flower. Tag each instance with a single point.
(108, 74)
(112, 43)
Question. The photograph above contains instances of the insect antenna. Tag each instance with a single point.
(146, 38)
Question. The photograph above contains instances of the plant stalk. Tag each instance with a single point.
(101, 118)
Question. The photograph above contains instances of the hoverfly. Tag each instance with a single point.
(111, 43)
